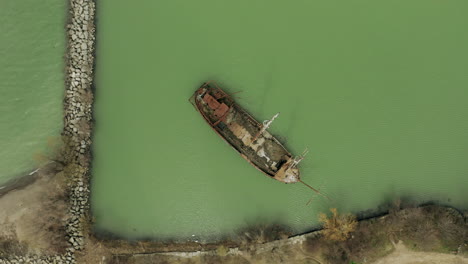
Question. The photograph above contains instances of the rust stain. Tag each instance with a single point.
(221, 110)
(266, 154)
(211, 101)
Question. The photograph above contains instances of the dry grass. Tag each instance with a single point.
(58, 149)
(94, 252)
(337, 227)
(259, 234)
(38, 212)
(86, 96)
(84, 128)
(164, 259)
(370, 240)
(428, 228)
(9, 242)
(32, 219)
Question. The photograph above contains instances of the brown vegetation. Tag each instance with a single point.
(166, 259)
(259, 234)
(428, 228)
(337, 227)
(84, 128)
(58, 149)
(32, 219)
(370, 240)
(9, 243)
(86, 96)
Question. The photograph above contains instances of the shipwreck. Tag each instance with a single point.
(246, 135)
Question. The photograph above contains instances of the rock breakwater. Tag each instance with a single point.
(77, 127)
(78, 116)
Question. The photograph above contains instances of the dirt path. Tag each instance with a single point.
(402, 255)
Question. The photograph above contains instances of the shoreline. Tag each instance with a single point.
(21, 182)
(17, 183)
(76, 133)
(109, 237)
(82, 240)
(314, 242)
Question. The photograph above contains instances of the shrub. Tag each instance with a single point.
(337, 227)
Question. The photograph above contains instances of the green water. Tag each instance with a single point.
(32, 46)
(377, 90)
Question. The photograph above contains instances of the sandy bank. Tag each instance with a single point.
(17, 183)
(57, 204)
(403, 255)
(46, 218)
(34, 216)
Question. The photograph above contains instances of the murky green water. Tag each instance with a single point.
(32, 46)
(377, 90)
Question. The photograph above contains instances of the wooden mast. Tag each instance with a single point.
(265, 126)
(315, 190)
(296, 162)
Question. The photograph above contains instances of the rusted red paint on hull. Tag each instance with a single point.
(215, 112)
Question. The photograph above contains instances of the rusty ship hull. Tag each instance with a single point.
(245, 134)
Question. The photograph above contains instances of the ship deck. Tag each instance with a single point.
(238, 128)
